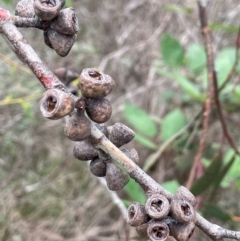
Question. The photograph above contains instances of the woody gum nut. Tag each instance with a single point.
(99, 110)
(119, 134)
(25, 9)
(95, 84)
(84, 151)
(66, 75)
(66, 22)
(98, 167)
(142, 229)
(77, 127)
(116, 178)
(182, 231)
(46, 39)
(157, 206)
(158, 231)
(136, 214)
(48, 9)
(61, 43)
(132, 154)
(185, 194)
(56, 104)
(182, 211)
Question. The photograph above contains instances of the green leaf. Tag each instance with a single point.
(219, 178)
(196, 57)
(140, 120)
(172, 123)
(172, 51)
(126, 203)
(171, 186)
(213, 211)
(234, 171)
(135, 192)
(223, 27)
(209, 176)
(224, 63)
(7, 1)
(190, 88)
(145, 141)
(68, 3)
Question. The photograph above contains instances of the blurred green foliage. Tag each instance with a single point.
(187, 69)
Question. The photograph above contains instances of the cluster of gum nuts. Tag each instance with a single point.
(60, 25)
(92, 107)
(159, 217)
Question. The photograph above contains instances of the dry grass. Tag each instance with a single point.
(46, 194)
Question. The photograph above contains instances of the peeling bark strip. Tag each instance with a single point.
(26, 52)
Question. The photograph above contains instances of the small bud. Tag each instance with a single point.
(99, 110)
(157, 206)
(116, 178)
(182, 211)
(95, 84)
(25, 9)
(66, 75)
(132, 154)
(184, 194)
(136, 214)
(77, 128)
(98, 167)
(66, 22)
(46, 39)
(142, 229)
(158, 231)
(182, 231)
(56, 104)
(84, 151)
(48, 9)
(61, 43)
(119, 134)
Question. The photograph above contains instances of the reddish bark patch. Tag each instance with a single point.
(46, 81)
(4, 14)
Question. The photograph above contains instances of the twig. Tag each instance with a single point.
(207, 38)
(26, 52)
(114, 197)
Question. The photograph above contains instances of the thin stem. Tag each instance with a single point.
(29, 23)
(207, 38)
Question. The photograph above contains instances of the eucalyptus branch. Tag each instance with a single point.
(99, 140)
(26, 52)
